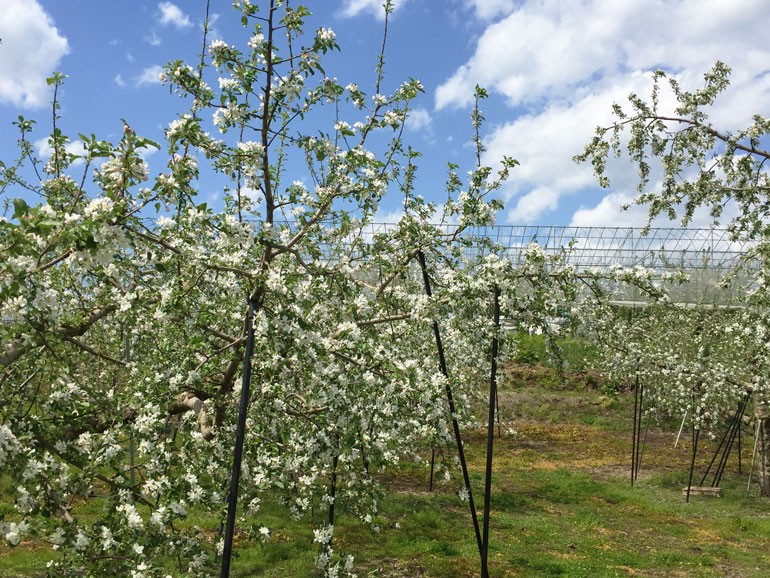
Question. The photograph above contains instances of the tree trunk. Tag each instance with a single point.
(763, 448)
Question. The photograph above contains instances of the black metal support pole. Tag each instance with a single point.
(240, 435)
(718, 451)
(633, 434)
(131, 441)
(723, 461)
(695, 436)
(727, 441)
(432, 467)
(490, 437)
(643, 445)
(746, 400)
(639, 442)
(333, 490)
(740, 465)
(734, 431)
(451, 403)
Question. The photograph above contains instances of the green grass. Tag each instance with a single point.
(578, 354)
(562, 505)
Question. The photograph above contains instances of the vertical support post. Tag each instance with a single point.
(132, 462)
(635, 428)
(131, 441)
(753, 458)
(695, 436)
(740, 463)
(639, 440)
(432, 467)
(490, 436)
(642, 445)
(240, 435)
(333, 493)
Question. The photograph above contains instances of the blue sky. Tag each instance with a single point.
(553, 70)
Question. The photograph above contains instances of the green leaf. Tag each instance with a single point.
(47, 224)
(145, 142)
(57, 78)
(20, 208)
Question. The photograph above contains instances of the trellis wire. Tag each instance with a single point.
(595, 247)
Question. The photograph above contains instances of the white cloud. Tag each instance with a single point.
(388, 217)
(31, 51)
(561, 70)
(353, 8)
(418, 119)
(487, 9)
(608, 213)
(150, 75)
(544, 144)
(214, 33)
(529, 207)
(153, 39)
(540, 50)
(45, 150)
(171, 14)
(119, 81)
(254, 195)
(146, 152)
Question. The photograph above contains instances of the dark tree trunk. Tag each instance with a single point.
(763, 452)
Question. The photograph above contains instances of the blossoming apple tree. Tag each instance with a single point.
(128, 306)
(701, 360)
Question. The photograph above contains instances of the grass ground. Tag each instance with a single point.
(562, 504)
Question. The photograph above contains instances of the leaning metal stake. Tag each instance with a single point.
(490, 435)
(451, 403)
(240, 435)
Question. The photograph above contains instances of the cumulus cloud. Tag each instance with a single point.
(486, 9)
(214, 32)
(150, 75)
(351, 8)
(544, 143)
(153, 39)
(559, 71)
(608, 213)
(388, 217)
(172, 15)
(45, 150)
(540, 50)
(418, 119)
(31, 51)
(253, 195)
(529, 207)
